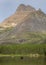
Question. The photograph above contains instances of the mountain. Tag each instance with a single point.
(23, 8)
(27, 25)
(21, 12)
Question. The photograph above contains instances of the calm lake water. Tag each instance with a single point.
(22, 61)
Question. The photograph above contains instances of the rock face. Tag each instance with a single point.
(23, 8)
(28, 25)
(21, 12)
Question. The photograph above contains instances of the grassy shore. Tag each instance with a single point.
(29, 55)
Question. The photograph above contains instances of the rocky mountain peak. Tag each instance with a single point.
(24, 8)
(40, 11)
(23, 12)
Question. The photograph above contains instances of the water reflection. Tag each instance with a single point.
(24, 61)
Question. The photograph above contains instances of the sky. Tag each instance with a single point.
(8, 7)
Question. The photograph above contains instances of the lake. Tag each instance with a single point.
(22, 61)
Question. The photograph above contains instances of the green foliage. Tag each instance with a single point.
(23, 49)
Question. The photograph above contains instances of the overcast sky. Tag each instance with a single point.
(8, 7)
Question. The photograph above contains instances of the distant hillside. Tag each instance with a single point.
(27, 25)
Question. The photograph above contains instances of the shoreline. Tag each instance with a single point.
(20, 55)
